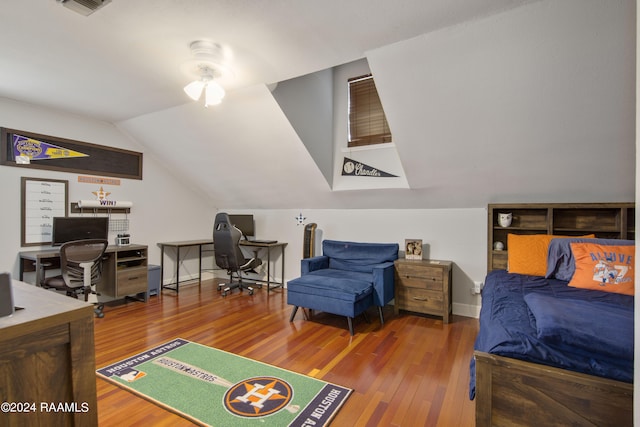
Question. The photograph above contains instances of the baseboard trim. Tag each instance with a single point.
(466, 310)
(205, 275)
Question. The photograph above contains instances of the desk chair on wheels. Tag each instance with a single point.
(228, 254)
(80, 268)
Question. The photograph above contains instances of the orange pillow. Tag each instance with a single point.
(604, 267)
(527, 253)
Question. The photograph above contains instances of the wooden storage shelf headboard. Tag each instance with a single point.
(605, 220)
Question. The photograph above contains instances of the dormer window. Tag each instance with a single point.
(367, 121)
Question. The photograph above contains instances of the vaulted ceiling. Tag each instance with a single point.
(127, 63)
(125, 60)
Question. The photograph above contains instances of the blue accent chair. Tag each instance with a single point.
(346, 280)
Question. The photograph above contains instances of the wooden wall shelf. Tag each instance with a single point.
(605, 220)
(106, 209)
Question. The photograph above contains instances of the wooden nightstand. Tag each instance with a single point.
(423, 286)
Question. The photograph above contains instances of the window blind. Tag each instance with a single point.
(367, 121)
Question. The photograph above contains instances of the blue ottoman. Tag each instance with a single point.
(344, 297)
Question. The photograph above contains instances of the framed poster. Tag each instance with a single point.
(413, 248)
(32, 150)
(41, 200)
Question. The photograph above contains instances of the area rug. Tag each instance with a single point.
(212, 387)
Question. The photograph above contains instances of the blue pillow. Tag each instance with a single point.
(560, 260)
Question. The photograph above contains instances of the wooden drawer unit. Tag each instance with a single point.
(124, 272)
(423, 286)
(131, 281)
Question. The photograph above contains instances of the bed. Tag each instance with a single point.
(552, 350)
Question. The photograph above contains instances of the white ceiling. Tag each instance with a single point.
(127, 59)
(502, 92)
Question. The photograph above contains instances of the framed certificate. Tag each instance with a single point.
(41, 200)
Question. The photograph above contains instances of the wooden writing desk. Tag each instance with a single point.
(204, 242)
(268, 247)
(177, 246)
(48, 357)
(124, 268)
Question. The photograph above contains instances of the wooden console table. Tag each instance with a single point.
(48, 355)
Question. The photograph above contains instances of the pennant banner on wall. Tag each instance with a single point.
(40, 150)
(352, 168)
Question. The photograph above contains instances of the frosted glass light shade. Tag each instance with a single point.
(213, 94)
(194, 89)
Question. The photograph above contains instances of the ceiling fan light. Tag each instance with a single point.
(213, 94)
(194, 89)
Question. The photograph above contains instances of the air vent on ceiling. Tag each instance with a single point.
(84, 7)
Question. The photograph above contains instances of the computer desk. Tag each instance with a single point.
(177, 246)
(34, 260)
(124, 270)
(268, 246)
(203, 242)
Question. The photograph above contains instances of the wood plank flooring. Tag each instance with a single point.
(414, 371)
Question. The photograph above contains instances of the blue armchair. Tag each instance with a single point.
(347, 279)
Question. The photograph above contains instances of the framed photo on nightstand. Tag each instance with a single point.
(413, 249)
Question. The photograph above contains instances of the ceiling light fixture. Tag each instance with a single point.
(213, 92)
(208, 67)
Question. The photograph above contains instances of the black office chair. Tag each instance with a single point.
(80, 268)
(228, 254)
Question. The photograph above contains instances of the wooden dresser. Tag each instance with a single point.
(47, 360)
(424, 286)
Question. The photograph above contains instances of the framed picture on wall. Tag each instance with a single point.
(41, 200)
(36, 151)
(413, 248)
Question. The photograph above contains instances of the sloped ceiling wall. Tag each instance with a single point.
(243, 153)
(534, 104)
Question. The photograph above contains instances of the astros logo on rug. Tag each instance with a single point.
(131, 375)
(259, 396)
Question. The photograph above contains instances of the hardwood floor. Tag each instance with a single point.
(414, 371)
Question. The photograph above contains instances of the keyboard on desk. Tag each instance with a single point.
(265, 242)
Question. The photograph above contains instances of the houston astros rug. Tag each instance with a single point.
(215, 388)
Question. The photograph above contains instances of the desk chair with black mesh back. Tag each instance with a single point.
(228, 254)
(80, 268)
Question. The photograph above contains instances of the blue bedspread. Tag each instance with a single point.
(509, 327)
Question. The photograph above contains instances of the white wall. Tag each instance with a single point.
(307, 102)
(534, 104)
(164, 209)
(458, 235)
(530, 105)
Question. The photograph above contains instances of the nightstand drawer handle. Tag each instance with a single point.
(420, 299)
(433, 279)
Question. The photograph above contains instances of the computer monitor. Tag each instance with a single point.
(244, 223)
(66, 229)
